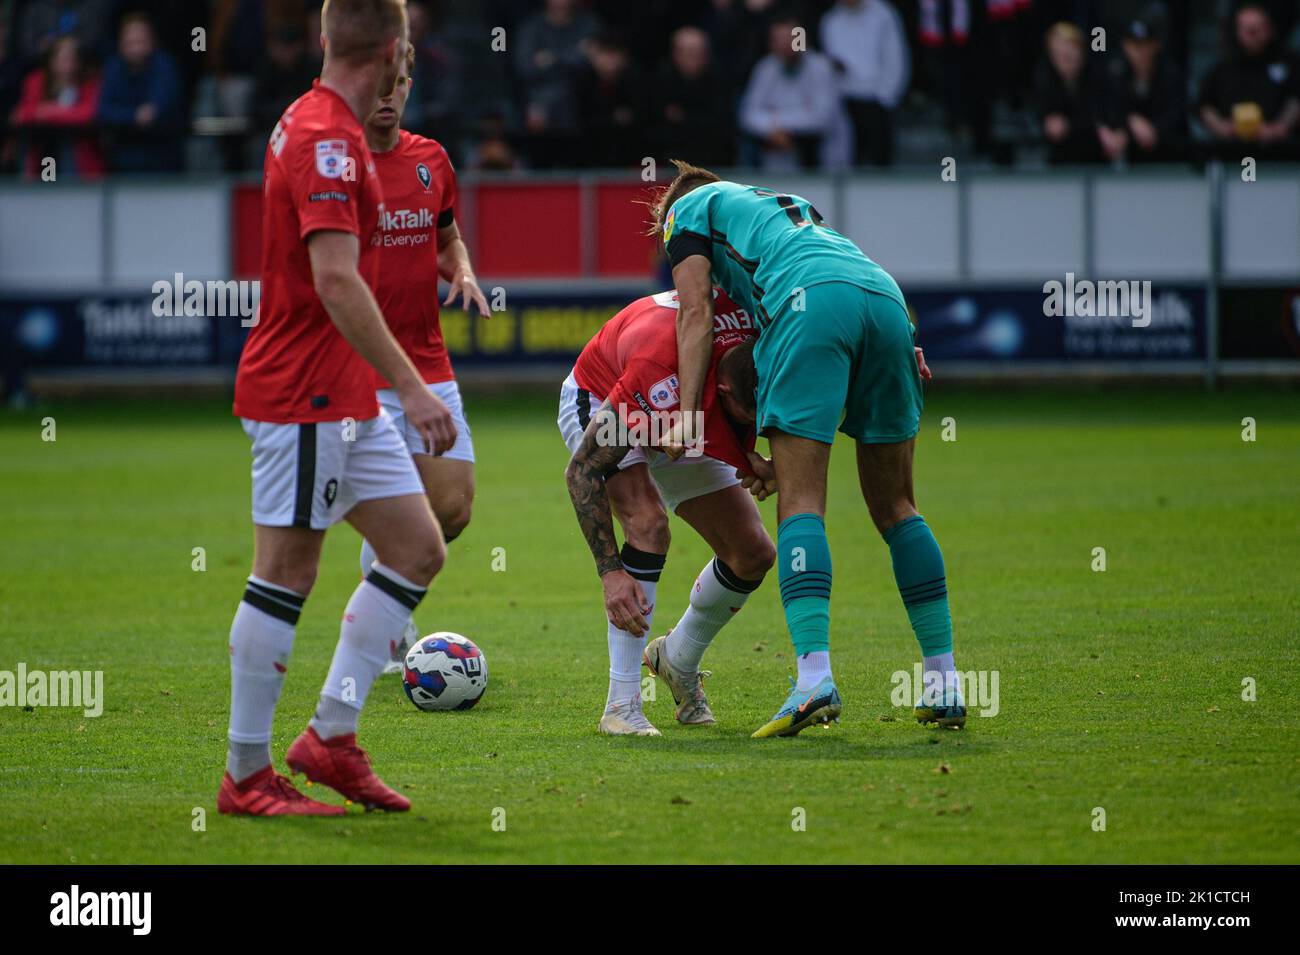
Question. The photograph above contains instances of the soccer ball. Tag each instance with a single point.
(444, 671)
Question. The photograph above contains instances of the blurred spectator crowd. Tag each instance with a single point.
(134, 86)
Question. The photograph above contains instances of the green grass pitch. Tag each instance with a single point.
(1120, 690)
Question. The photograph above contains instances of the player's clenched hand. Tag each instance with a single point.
(922, 367)
(466, 286)
(428, 415)
(681, 437)
(625, 602)
(762, 482)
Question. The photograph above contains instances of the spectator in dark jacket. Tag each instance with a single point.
(611, 106)
(1071, 99)
(548, 55)
(690, 108)
(284, 75)
(437, 102)
(140, 103)
(1250, 102)
(1149, 103)
(238, 32)
(738, 34)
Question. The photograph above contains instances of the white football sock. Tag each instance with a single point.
(261, 638)
(368, 557)
(939, 679)
(717, 596)
(626, 649)
(333, 718)
(813, 668)
(373, 624)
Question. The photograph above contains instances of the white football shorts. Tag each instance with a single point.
(311, 475)
(449, 392)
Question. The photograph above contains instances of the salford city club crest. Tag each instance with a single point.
(422, 173)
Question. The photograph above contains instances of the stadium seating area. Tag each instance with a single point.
(155, 86)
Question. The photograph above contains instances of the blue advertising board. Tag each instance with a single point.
(988, 325)
(1010, 325)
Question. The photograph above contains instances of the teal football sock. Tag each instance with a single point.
(918, 569)
(804, 571)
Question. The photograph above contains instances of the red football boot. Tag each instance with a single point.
(343, 765)
(267, 793)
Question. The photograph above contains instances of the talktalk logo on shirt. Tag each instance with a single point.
(406, 219)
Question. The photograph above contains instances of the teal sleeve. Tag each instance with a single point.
(687, 230)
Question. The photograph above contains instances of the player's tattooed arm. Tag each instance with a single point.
(585, 476)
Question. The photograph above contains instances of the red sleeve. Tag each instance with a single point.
(33, 92)
(645, 387)
(326, 177)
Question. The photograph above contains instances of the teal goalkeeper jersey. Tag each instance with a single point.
(764, 246)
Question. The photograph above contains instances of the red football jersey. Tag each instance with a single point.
(632, 363)
(296, 366)
(419, 199)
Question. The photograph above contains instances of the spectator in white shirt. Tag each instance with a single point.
(791, 101)
(866, 42)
